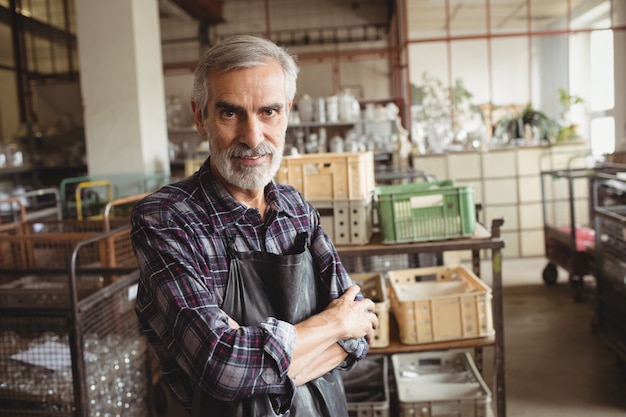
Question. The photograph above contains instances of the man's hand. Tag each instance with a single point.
(355, 317)
(317, 351)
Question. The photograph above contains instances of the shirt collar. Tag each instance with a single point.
(225, 209)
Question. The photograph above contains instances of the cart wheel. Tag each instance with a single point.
(550, 274)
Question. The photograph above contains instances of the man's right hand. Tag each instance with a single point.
(317, 351)
(355, 317)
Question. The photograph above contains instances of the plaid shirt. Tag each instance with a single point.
(178, 235)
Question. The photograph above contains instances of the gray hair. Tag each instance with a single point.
(238, 52)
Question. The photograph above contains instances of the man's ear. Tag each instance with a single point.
(198, 118)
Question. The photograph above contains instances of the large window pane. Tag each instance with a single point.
(470, 65)
(468, 18)
(550, 62)
(549, 14)
(602, 135)
(510, 71)
(508, 17)
(602, 86)
(430, 58)
(427, 19)
(592, 16)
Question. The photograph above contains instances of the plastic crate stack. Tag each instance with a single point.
(340, 186)
(433, 304)
(442, 383)
(425, 211)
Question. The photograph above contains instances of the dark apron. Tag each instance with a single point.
(262, 285)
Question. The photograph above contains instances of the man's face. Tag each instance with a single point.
(245, 124)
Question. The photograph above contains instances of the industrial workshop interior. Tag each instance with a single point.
(466, 158)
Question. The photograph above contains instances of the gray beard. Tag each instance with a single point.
(245, 177)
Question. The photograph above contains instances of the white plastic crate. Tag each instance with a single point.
(367, 387)
(346, 222)
(440, 384)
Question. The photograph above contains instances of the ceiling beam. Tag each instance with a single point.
(208, 11)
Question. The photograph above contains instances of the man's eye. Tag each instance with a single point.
(228, 114)
(270, 112)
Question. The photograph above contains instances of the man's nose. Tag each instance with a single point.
(251, 132)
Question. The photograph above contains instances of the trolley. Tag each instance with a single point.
(609, 208)
(86, 196)
(569, 234)
(37, 204)
(48, 243)
(70, 342)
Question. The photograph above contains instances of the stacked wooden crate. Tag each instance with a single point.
(340, 186)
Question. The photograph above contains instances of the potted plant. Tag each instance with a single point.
(568, 130)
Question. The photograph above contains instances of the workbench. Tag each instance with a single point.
(483, 240)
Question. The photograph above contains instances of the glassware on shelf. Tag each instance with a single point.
(300, 146)
(349, 109)
(312, 144)
(323, 139)
(336, 144)
(320, 110)
(174, 109)
(305, 108)
(332, 109)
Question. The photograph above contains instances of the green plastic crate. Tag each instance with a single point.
(425, 211)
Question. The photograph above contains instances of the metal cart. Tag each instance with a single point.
(568, 223)
(37, 204)
(567, 236)
(609, 207)
(47, 243)
(70, 343)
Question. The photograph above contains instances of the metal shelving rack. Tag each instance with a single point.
(609, 209)
(355, 257)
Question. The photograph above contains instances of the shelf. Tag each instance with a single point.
(340, 123)
(15, 169)
(483, 239)
(395, 346)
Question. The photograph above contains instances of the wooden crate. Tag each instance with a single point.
(330, 176)
(440, 303)
(373, 287)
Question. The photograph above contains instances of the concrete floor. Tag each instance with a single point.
(555, 365)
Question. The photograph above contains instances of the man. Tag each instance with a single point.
(242, 296)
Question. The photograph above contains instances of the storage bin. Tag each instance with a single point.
(440, 384)
(373, 287)
(367, 387)
(346, 222)
(440, 303)
(425, 211)
(330, 176)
